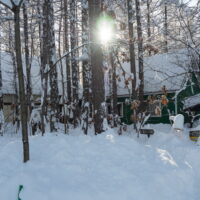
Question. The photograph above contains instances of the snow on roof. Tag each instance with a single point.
(167, 69)
(8, 75)
(159, 70)
(191, 101)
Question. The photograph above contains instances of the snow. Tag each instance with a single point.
(8, 75)
(192, 101)
(102, 167)
(178, 122)
(169, 69)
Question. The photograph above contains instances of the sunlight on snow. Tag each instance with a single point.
(166, 157)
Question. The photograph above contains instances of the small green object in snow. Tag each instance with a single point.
(19, 190)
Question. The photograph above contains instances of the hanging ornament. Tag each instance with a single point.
(126, 82)
(135, 104)
(149, 99)
(130, 78)
(158, 111)
(164, 90)
(164, 100)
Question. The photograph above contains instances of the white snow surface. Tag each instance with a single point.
(103, 167)
(192, 101)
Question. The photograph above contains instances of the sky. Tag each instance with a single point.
(191, 2)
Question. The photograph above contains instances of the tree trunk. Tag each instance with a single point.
(114, 89)
(66, 48)
(27, 59)
(166, 30)
(140, 50)
(22, 96)
(61, 70)
(132, 47)
(97, 67)
(43, 33)
(74, 64)
(1, 97)
(148, 25)
(54, 93)
(16, 96)
(86, 69)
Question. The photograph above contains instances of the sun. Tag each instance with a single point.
(105, 30)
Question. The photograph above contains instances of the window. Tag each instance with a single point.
(120, 109)
(154, 108)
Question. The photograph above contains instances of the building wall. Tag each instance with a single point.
(9, 106)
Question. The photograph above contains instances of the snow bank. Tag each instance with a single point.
(103, 167)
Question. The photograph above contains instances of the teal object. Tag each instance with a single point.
(19, 190)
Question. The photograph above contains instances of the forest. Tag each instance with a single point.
(88, 66)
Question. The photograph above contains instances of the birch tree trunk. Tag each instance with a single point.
(43, 33)
(54, 93)
(61, 68)
(66, 48)
(86, 68)
(74, 64)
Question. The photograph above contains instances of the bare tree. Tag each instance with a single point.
(132, 46)
(114, 108)
(66, 48)
(23, 104)
(27, 57)
(140, 50)
(166, 27)
(54, 98)
(86, 68)
(1, 94)
(74, 63)
(149, 24)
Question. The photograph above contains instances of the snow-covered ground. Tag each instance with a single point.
(103, 167)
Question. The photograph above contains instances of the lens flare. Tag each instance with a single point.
(105, 30)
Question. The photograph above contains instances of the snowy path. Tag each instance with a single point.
(103, 167)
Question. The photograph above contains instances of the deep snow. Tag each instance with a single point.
(103, 167)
